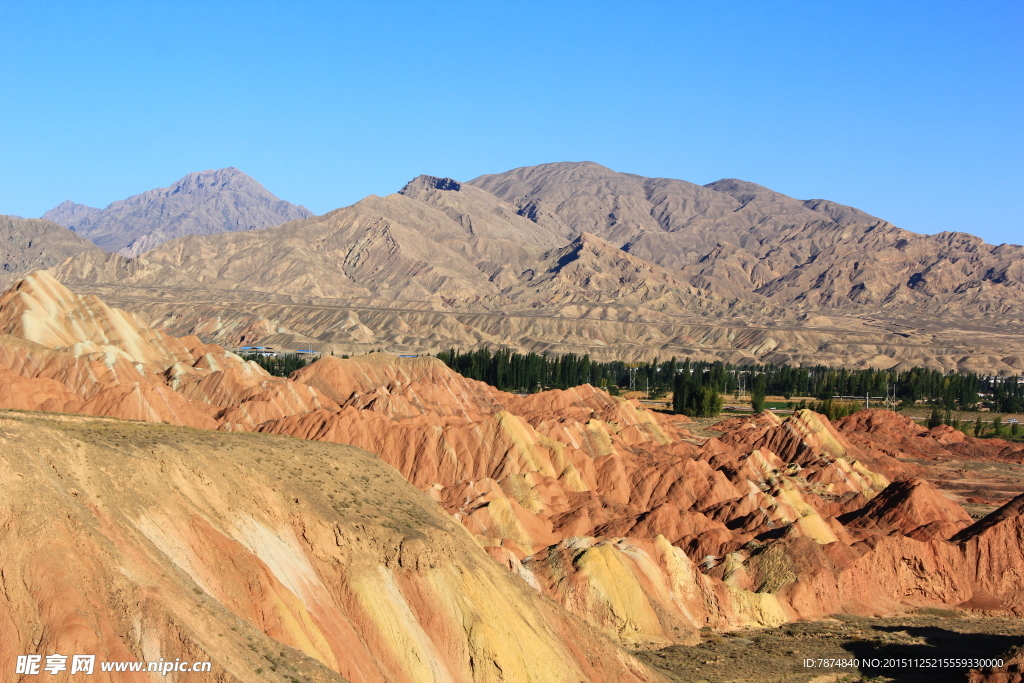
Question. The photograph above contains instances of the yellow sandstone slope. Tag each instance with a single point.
(275, 558)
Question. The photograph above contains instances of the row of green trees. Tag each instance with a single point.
(1007, 395)
(532, 372)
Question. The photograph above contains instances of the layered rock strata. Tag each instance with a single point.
(271, 558)
(618, 513)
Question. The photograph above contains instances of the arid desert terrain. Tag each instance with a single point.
(375, 516)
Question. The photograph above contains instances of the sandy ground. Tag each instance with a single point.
(779, 654)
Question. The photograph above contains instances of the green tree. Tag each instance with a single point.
(997, 426)
(758, 391)
(1015, 429)
(979, 427)
(935, 419)
(710, 402)
(693, 398)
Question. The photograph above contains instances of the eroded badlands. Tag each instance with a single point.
(138, 538)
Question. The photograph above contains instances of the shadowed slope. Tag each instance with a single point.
(914, 508)
(28, 244)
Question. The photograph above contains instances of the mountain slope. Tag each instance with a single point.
(736, 238)
(578, 258)
(28, 244)
(201, 203)
(592, 270)
(443, 248)
(273, 558)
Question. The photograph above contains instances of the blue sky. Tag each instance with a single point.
(910, 111)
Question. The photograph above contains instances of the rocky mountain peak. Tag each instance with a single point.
(66, 205)
(744, 191)
(213, 178)
(428, 182)
(737, 186)
(201, 203)
(69, 214)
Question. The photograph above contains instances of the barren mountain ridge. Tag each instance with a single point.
(201, 203)
(576, 257)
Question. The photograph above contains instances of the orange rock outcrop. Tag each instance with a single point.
(993, 549)
(1012, 670)
(76, 354)
(618, 513)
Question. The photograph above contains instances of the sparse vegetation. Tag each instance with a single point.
(777, 655)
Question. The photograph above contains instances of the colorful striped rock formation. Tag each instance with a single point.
(619, 514)
(76, 354)
(271, 558)
(625, 518)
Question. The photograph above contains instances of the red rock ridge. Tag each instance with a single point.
(617, 512)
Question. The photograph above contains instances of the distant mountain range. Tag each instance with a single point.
(204, 203)
(577, 257)
(744, 241)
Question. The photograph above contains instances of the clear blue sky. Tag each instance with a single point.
(911, 111)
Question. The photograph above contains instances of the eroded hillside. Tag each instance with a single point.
(621, 515)
(27, 244)
(273, 558)
(579, 258)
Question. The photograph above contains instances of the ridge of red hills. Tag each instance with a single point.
(621, 515)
